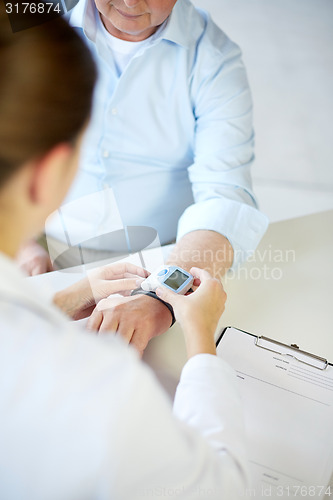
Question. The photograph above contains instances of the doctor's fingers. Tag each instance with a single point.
(104, 288)
(126, 275)
(118, 269)
(200, 274)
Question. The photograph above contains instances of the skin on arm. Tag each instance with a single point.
(207, 250)
(78, 300)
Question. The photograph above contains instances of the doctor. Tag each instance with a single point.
(81, 416)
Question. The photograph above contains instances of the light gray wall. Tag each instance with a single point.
(288, 50)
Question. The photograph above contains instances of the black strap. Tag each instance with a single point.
(139, 291)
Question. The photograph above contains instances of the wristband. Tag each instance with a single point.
(139, 291)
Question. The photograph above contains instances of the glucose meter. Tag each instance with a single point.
(173, 277)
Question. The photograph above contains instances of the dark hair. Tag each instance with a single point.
(47, 77)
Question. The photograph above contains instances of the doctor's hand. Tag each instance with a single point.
(199, 312)
(79, 300)
(137, 319)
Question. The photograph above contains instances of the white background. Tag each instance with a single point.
(288, 51)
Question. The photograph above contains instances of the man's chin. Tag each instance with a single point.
(129, 33)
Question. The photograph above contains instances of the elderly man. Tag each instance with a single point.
(171, 134)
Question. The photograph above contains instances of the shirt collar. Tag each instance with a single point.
(182, 26)
(83, 16)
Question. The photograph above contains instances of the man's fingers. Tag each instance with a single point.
(108, 325)
(27, 269)
(38, 268)
(139, 342)
(126, 332)
(95, 320)
(35, 266)
(84, 313)
(49, 266)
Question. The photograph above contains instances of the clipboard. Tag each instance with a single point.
(294, 351)
(287, 396)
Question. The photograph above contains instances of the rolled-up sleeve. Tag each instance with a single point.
(224, 152)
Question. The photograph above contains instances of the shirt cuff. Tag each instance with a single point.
(241, 224)
(202, 362)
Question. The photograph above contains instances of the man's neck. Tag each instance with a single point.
(126, 36)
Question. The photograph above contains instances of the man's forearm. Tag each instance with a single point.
(205, 249)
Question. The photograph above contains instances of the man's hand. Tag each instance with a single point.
(79, 300)
(137, 319)
(34, 259)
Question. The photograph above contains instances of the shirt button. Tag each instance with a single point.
(114, 111)
(106, 154)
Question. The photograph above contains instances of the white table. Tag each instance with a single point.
(297, 307)
(284, 293)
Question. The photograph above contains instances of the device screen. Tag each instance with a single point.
(176, 279)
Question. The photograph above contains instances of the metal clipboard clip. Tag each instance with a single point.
(297, 353)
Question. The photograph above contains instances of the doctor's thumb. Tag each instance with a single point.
(167, 295)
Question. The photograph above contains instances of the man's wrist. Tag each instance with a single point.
(206, 249)
(139, 291)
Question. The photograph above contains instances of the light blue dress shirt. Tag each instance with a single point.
(173, 135)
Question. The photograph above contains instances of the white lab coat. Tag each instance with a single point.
(83, 418)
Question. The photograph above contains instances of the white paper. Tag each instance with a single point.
(288, 409)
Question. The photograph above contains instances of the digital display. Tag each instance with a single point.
(176, 280)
